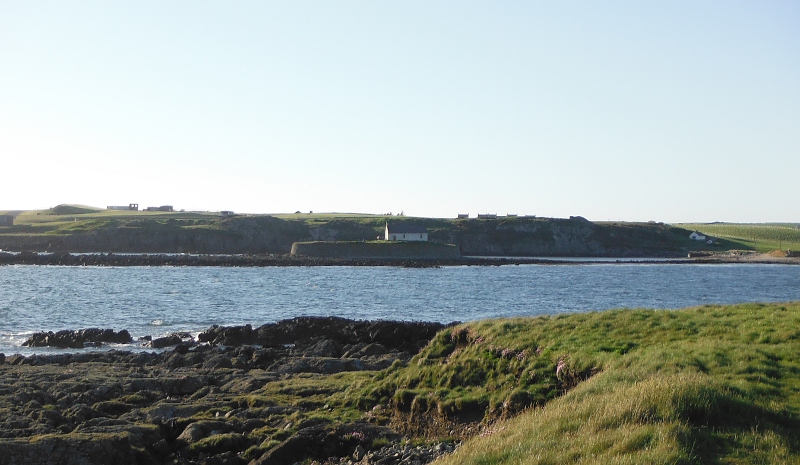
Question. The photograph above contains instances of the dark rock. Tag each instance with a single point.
(305, 443)
(68, 450)
(372, 350)
(78, 339)
(183, 385)
(164, 401)
(80, 413)
(161, 448)
(324, 348)
(175, 361)
(193, 433)
(392, 335)
(184, 347)
(229, 336)
(161, 342)
(218, 361)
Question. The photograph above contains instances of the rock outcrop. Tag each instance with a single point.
(79, 339)
(243, 395)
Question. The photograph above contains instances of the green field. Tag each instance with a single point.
(76, 219)
(714, 384)
(762, 237)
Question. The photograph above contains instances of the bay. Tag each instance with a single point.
(160, 300)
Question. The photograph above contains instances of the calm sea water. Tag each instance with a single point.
(160, 300)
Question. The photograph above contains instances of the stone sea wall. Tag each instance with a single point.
(375, 249)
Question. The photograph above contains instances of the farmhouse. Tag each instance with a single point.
(403, 232)
(697, 236)
(6, 220)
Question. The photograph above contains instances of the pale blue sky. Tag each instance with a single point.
(668, 111)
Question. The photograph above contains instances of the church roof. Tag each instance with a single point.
(406, 229)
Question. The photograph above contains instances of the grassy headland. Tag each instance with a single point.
(704, 385)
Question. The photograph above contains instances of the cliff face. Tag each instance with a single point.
(560, 237)
(266, 234)
(256, 234)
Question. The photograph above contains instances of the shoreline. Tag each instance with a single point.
(223, 397)
(335, 391)
(274, 260)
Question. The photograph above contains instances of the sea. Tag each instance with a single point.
(156, 301)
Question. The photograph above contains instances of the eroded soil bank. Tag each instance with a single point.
(238, 395)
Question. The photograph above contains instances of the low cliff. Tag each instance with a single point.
(263, 234)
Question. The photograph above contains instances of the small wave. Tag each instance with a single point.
(158, 323)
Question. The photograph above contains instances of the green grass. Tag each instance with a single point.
(759, 237)
(706, 385)
(70, 219)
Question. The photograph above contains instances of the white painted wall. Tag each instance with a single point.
(419, 237)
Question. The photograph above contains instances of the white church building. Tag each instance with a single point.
(404, 232)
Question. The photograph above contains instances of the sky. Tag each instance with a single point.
(621, 110)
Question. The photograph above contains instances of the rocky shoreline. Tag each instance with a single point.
(111, 259)
(281, 260)
(236, 395)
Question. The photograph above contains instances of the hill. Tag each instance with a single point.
(78, 229)
(70, 210)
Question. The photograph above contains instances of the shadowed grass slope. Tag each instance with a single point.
(705, 385)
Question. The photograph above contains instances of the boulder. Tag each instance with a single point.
(15, 359)
(166, 341)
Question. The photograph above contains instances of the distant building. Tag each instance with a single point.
(163, 208)
(487, 216)
(131, 206)
(6, 220)
(697, 236)
(463, 216)
(403, 232)
(229, 213)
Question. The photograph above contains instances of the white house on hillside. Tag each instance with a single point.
(697, 236)
(403, 232)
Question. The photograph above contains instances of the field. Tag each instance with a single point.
(760, 237)
(68, 219)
